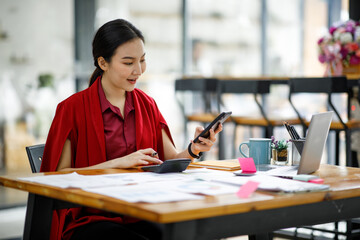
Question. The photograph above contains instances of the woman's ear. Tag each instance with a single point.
(102, 63)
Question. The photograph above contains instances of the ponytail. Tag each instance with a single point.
(97, 73)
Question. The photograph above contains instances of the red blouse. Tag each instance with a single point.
(120, 136)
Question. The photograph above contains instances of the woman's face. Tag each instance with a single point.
(126, 65)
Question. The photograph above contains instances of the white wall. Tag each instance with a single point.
(37, 38)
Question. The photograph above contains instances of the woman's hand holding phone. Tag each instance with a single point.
(204, 144)
(205, 138)
(213, 125)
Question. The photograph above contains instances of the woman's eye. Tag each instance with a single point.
(128, 63)
(142, 60)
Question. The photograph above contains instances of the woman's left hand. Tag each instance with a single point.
(205, 144)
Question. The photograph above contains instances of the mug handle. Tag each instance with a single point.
(242, 153)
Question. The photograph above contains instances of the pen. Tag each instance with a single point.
(303, 178)
(296, 135)
(154, 154)
(289, 130)
(286, 126)
(292, 130)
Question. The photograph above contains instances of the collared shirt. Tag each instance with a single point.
(120, 138)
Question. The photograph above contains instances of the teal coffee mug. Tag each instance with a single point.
(259, 150)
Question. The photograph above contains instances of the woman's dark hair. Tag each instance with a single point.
(108, 38)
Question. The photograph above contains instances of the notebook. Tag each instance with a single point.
(312, 151)
(218, 164)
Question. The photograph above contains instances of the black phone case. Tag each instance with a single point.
(171, 165)
(214, 124)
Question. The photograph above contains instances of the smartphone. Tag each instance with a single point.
(213, 125)
(171, 165)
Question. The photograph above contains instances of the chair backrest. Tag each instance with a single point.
(242, 86)
(35, 154)
(199, 93)
(325, 85)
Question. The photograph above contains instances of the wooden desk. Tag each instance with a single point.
(212, 217)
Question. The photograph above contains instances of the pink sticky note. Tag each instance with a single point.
(317, 180)
(247, 189)
(247, 165)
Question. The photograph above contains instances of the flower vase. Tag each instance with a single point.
(280, 157)
(352, 71)
(334, 68)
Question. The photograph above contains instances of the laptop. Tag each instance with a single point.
(313, 149)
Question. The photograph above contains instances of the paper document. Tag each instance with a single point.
(154, 188)
(155, 192)
(75, 180)
(277, 184)
(202, 187)
(144, 193)
(144, 186)
(206, 174)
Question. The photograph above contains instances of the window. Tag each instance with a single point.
(225, 37)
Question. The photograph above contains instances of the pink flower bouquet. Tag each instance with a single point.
(340, 47)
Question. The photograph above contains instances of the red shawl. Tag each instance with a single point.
(79, 119)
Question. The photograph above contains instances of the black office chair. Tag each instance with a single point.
(35, 154)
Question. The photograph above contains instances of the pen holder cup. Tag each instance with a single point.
(297, 147)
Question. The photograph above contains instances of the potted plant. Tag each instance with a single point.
(279, 151)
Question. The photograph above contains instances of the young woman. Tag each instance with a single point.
(111, 124)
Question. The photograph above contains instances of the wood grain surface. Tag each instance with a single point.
(344, 182)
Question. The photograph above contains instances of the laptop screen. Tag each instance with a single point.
(315, 142)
